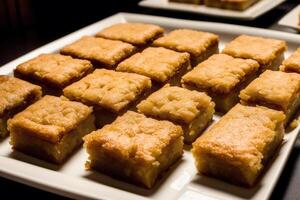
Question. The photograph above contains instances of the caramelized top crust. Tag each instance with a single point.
(292, 64)
(134, 33)
(158, 63)
(175, 103)
(109, 89)
(105, 51)
(134, 137)
(14, 91)
(56, 69)
(242, 135)
(263, 50)
(273, 87)
(220, 73)
(185, 40)
(50, 118)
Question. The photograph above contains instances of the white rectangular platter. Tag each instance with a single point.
(291, 19)
(182, 181)
(251, 13)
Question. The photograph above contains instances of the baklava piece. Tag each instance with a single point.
(137, 34)
(53, 71)
(160, 64)
(102, 52)
(110, 92)
(230, 4)
(292, 64)
(135, 147)
(15, 95)
(269, 53)
(240, 144)
(274, 89)
(191, 109)
(51, 128)
(222, 77)
(200, 45)
(198, 2)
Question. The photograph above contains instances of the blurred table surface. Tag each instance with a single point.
(29, 24)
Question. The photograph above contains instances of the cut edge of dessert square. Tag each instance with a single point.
(16, 95)
(45, 140)
(199, 124)
(239, 161)
(192, 110)
(108, 155)
(56, 153)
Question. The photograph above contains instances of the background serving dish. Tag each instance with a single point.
(252, 12)
(181, 182)
(291, 19)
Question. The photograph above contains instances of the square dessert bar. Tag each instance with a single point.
(274, 89)
(15, 95)
(102, 52)
(200, 45)
(191, 109)
(230, 4)
(135, 147)
(222, 77)
(240, 144)
(53, 70)
(292, 64)
(51, 128)
(108, 90)
(269, 53)
(134, 33)
(160, 64)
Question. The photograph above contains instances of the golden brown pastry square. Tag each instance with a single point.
(292, 64)
(157, 63)
(108, 89)
(15, 95)
(103, 52)
(53, 70)
(274, 89)
(200, 45)
(222, 77)
(109, 92)
(135, 147)
(240, 144)
(230, 4)
(191, 109)
(267, 52)
(134, 33)
(51, 128)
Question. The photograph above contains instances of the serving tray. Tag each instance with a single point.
(251, 13)
(291, 19)
(182, 181)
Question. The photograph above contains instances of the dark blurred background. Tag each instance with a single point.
(28, 24)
